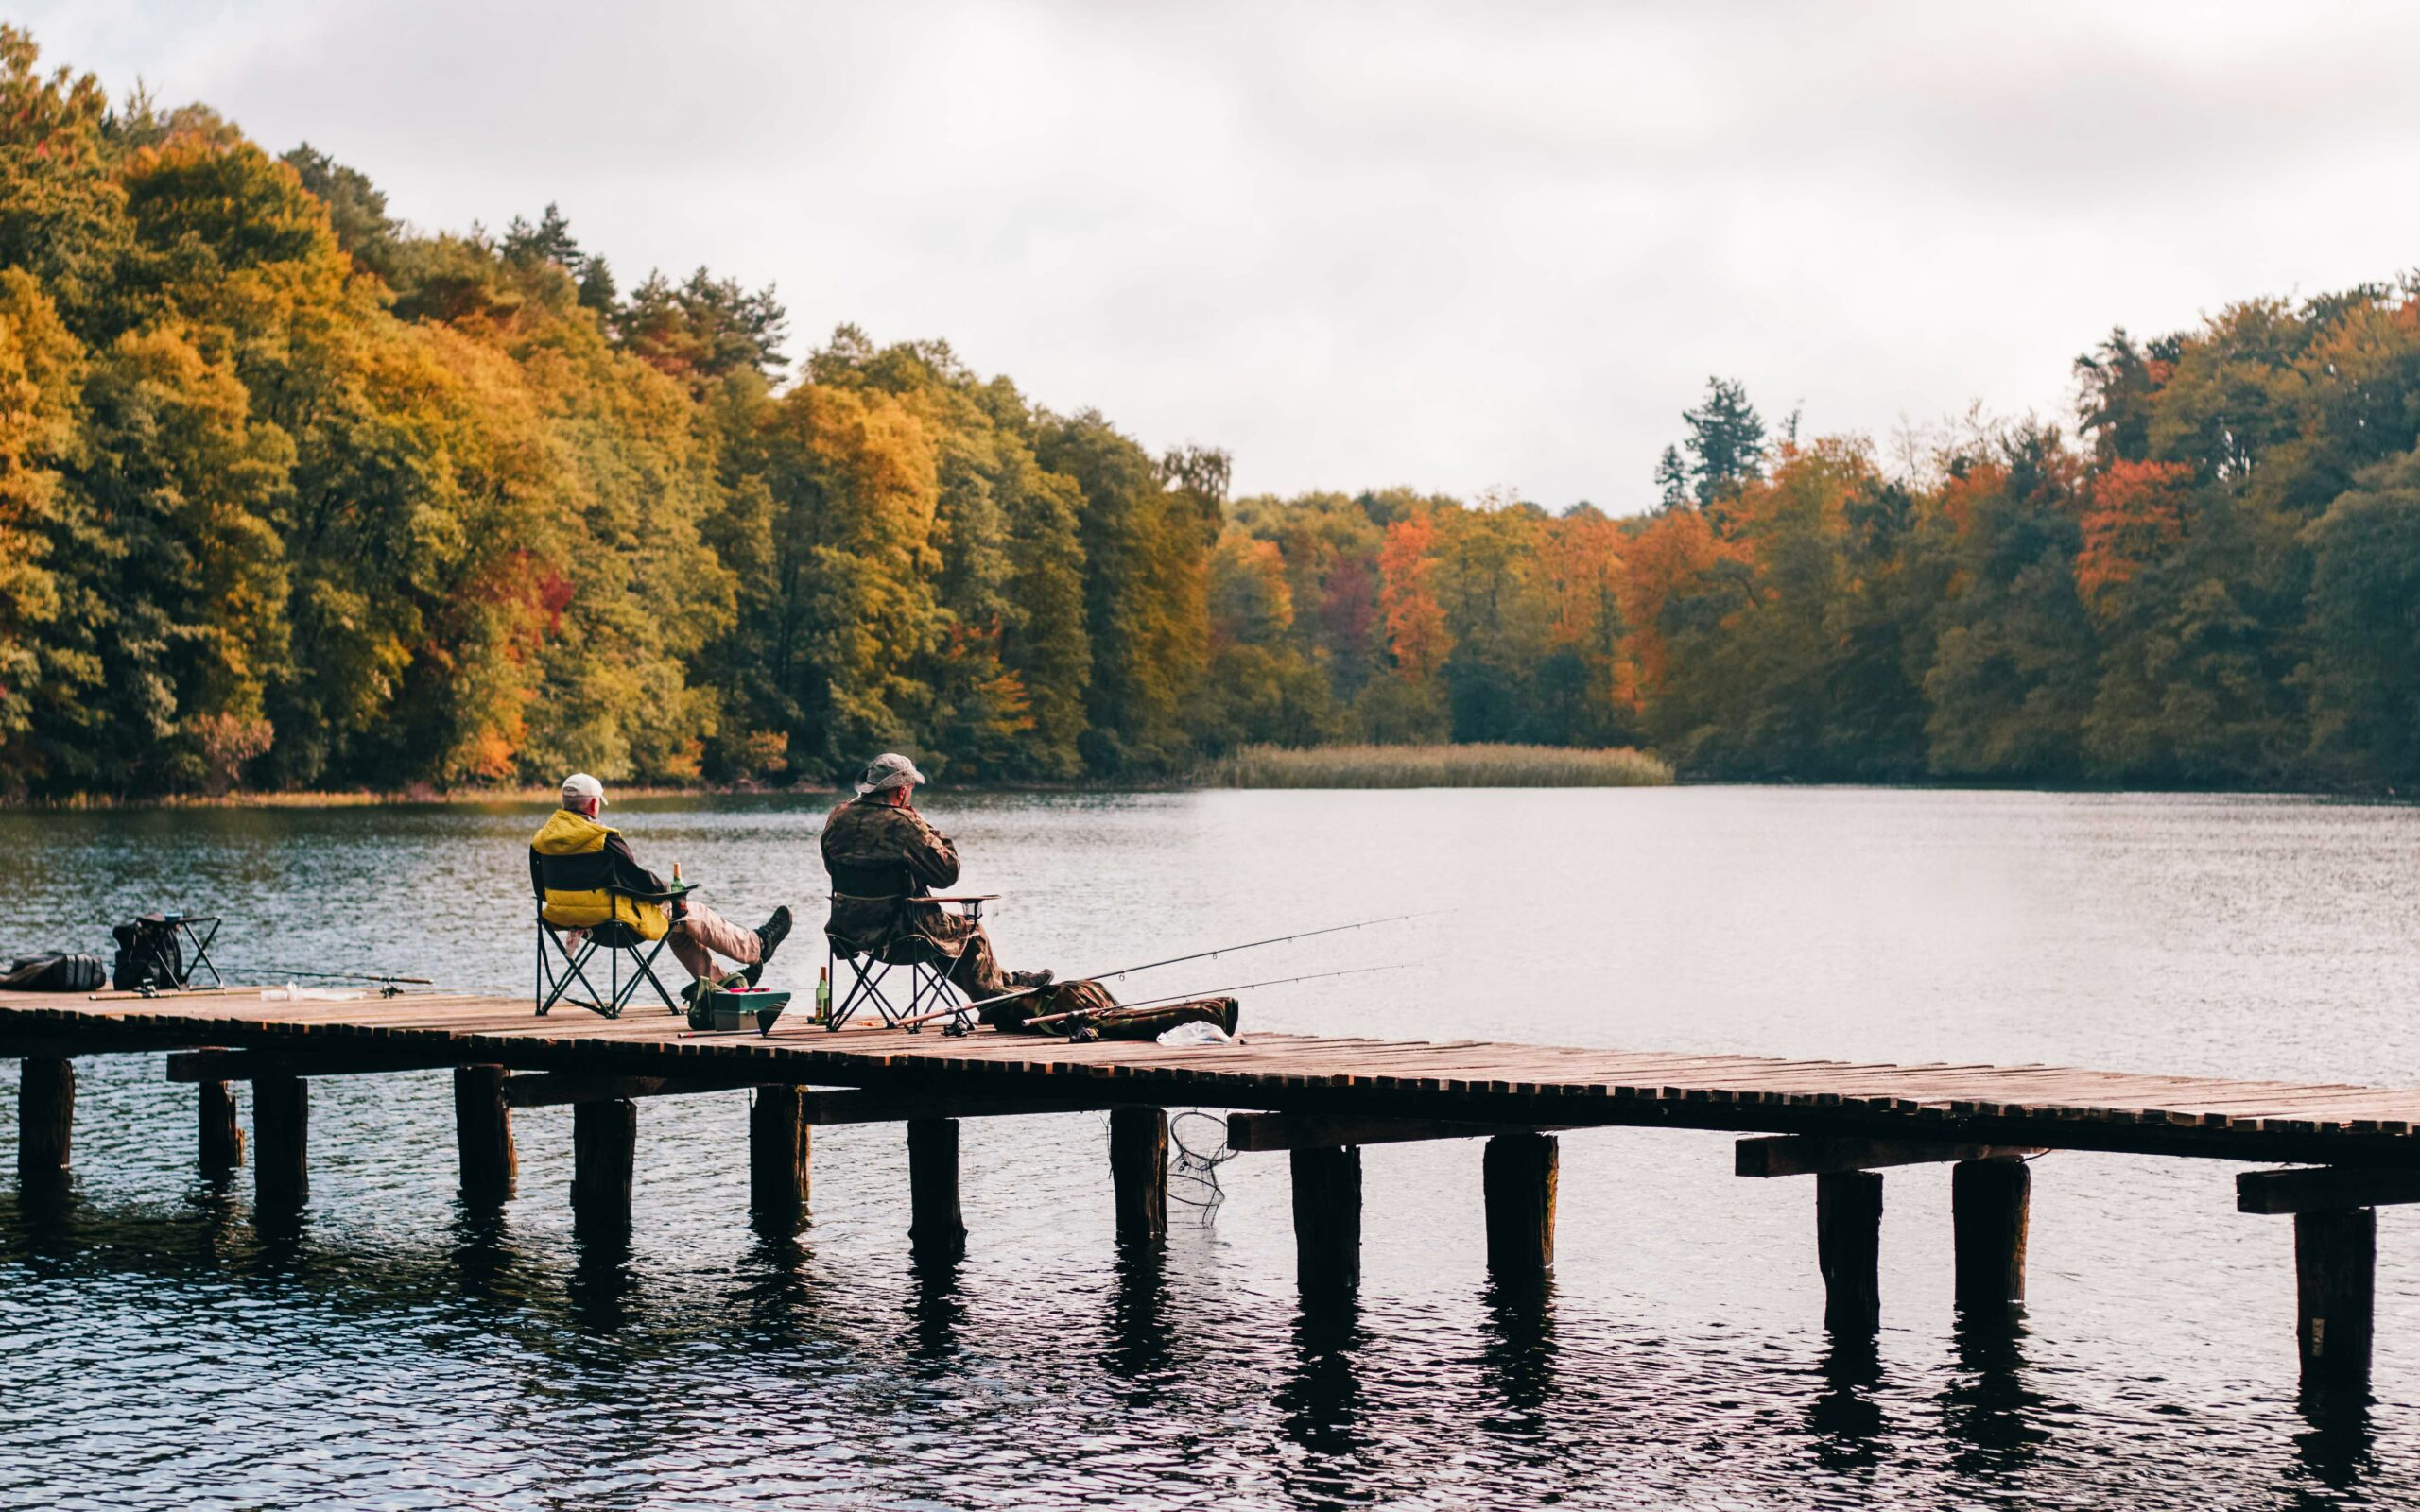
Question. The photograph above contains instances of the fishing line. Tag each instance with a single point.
(1107, 1015)
(1150, 966)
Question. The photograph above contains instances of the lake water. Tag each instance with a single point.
(392, 1349)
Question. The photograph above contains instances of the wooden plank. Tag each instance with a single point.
(2323, 1188)
(1806, 1155)
(245, 1065)
(897, 1108)
(1291, 1131)
(556, 1088)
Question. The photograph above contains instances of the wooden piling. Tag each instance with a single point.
(1848, 1248)
(1518, 1176)
(935, 1224)
(1138, 1170)
(483, 1134)
(2334, 1288)
(222, 1138)
(45, 1123)
(1988, 1215)
(604, 1149)
(281, 1141)
(1327, 1222)
(780, 1151)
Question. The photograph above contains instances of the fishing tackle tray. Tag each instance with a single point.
(738, 1007)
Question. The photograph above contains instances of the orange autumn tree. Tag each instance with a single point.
(1668, 554)
(1411, 705)
(2137, 514)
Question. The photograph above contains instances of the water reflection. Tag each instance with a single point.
(936, 1311)
(2339, 1450)
(1320, 1405)
(1141, 1342)
(1988, 1409)
(603, 1281)
(1845, 1423)
(1517, 1359)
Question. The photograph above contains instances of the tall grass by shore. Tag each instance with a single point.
(1434, 767)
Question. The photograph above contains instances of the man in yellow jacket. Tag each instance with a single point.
(574, 858)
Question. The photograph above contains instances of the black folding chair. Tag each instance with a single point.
(568, 966)
(926, 961)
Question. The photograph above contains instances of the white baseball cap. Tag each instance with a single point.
(579, 785)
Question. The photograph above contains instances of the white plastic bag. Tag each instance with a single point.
(1197, 1034)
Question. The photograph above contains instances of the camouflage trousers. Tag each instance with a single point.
(977, 971)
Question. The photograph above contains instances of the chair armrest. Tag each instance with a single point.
(959, 898)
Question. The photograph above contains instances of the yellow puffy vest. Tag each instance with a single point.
(574, 868)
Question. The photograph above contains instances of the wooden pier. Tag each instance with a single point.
(2348, 1149)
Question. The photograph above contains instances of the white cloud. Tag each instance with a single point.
(1452, 247)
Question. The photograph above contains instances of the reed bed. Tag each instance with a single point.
(1434, 767)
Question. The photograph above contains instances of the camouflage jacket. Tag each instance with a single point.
(881, 859)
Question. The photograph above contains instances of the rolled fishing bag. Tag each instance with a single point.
(53, 974)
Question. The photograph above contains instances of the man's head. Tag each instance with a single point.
(890, 778)
(583, 793)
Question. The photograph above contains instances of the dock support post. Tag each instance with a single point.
(780, 1148)
(935, 1224)
(483, 1134)
(1518, 1176)
(1138, 1170)
(1848, 1248)
(45, 1123)
(1327, 1222)
(2335, 1283)
(604, 1148)
(222, 1138)
(281, 1141)
(1988, 1215)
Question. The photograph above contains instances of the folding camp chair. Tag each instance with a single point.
(568, 966)
(926, 961)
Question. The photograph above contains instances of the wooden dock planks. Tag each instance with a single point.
(2045, 1107)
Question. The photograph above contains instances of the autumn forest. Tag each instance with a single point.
(293, 495)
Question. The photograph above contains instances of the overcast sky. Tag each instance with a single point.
(1456, 247)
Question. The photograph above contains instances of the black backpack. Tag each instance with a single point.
(52, 973)
(148, 956)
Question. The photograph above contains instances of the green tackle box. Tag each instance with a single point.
(739, 1009)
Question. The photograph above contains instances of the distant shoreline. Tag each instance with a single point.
(1311, 768)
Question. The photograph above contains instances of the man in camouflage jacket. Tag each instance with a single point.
(882, 856)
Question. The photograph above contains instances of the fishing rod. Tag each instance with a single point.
(334, 976)
(1149, 966)
(1111, 1015)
